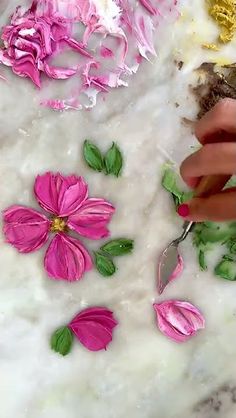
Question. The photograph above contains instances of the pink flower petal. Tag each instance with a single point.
(93, 336)
(5, 59)
(92, 218)
(94, 327)
(60, 195)
(25, 67)
(103, 320)
(96, 310)
(24, 47)
(178, 320)
(26, 229)
(66, 258)
(99, 314)
(58, 73)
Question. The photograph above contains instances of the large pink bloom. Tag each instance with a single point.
(178, 320)
(66, 200)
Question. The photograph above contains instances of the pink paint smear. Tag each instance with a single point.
(174, 275)
(109, 48)
(66, 202)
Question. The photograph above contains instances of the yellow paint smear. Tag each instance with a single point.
(224, 13)
(212, 47)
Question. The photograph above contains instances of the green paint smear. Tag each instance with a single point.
(207, 236)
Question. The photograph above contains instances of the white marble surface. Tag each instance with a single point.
(142, 375)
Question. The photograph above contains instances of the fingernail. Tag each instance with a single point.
(183, 210)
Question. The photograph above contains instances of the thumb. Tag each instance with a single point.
(218, 207)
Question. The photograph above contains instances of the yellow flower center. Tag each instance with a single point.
(58, 225)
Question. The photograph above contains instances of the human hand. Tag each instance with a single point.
(216, 131)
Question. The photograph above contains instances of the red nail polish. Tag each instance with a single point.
(183, 210)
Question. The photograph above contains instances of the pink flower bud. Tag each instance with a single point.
(178, 320)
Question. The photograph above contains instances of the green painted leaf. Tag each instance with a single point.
(176, 200)
(202, 260)
(197, 235)
(104, 264)
(118, 247)
(61, 341)
(231, 245)
(113, 160)
(169, 182)
(186, 196)
(210, 224)
(226, 269)
(214, 235)
(210, 232)
(228, 257)
(93, 156)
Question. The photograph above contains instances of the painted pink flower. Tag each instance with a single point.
(93, 327)
(178, 320)
(65, 198)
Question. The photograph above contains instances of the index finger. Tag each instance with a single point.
(219, 124)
